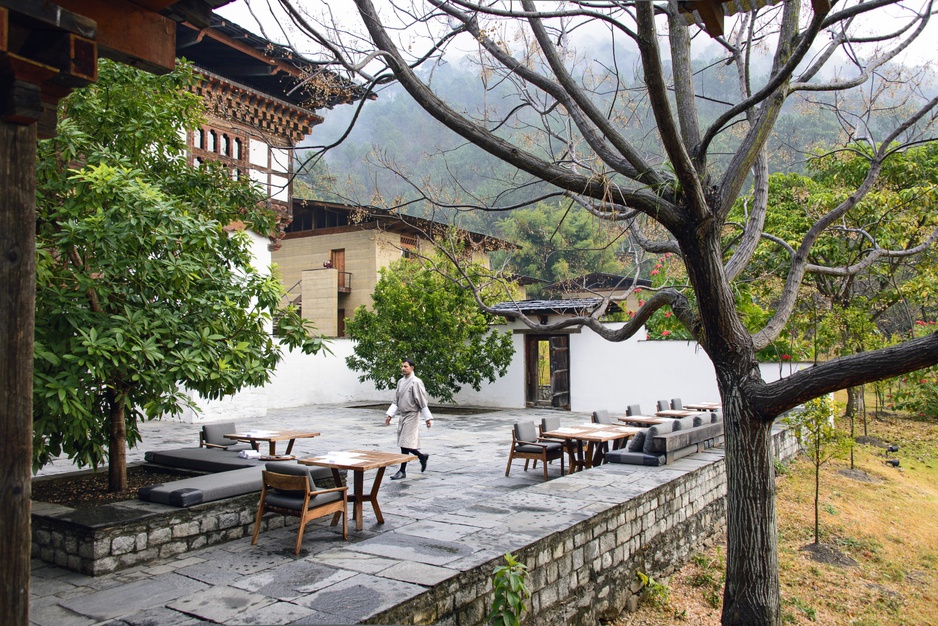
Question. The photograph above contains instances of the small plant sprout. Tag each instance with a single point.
(510, 592)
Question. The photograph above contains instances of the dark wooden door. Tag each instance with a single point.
(560, 371)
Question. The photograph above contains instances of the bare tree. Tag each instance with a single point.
(583, 133)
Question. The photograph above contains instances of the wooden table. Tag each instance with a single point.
(272, 437)
(705, 406)
(593, 435)
(644, 420)
(358, 462)
(676, 413)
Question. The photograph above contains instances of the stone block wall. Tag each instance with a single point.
(114, 537)
(587, 572)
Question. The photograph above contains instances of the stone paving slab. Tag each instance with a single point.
(462, 513)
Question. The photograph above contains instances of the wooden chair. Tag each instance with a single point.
(293, 493)
(664, 405)
(525, 444)
(633, 409)
(677, 404)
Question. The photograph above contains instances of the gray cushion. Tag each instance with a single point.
(214, 434)
(319, 477)
(716, 416)
(635, 458)
(200, 459)
(664, 405)
(550, 423)
(684, 423)
(633, 409)
(531, 449)
(198, 489)
(677, 404)
(637, 441)
(284, 500)
(602, 417)
(525, 431)
(700, 417)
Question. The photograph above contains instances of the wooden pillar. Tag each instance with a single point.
(17, 306)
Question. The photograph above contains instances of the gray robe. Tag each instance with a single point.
(410, 400)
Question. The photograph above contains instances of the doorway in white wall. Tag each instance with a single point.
(547, 371)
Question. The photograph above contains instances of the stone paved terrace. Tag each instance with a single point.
(441, 526)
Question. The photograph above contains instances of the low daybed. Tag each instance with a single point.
(671, 440)
(226, 474)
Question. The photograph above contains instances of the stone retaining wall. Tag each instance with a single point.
(588, 571)
(578, 574)
(113, 537)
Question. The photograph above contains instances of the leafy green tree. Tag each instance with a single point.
(421, 314)
(141, 287)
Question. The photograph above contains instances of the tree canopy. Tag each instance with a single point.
(636, 138)
(142, 286)
(418, 313)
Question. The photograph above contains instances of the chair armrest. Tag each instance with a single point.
(330, 489)
(539, 443)
(214, 445)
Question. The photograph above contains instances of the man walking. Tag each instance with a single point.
(411, 402)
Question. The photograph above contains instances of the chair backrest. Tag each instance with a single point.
(286, 468)
(664, 405)
(602, 417)
(676, 404)
(525, 431)
(549, 423)
(288, 484)
(215, 433)
(633, 409)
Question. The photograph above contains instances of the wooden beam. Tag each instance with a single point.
(130, 33)
(711, 12)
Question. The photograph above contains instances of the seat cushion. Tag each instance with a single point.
(634, 458)
(200, 459)
(552, 448)
(637, 441)
(286, 501)
(653, 431)
(550, 423)
(683, 424)
(190, 491)
(633, 409)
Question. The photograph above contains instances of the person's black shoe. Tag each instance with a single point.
(423, 462)
(400, 474)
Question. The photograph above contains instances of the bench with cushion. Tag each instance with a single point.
(206, 488)
(666, 442)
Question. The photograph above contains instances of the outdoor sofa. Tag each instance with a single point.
(671, 440)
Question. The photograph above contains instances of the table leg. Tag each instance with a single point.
(289, 449)
(272, 448)
(359, 496)
(373, 496)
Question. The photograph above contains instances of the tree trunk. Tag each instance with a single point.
(17, 303)
(853, 401)
(117, 443)
(751, 595)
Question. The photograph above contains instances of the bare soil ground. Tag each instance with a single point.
(91, 489)
(877, 561)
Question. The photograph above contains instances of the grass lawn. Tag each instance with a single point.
(881, 518)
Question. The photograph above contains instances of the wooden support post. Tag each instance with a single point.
(17, 305)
